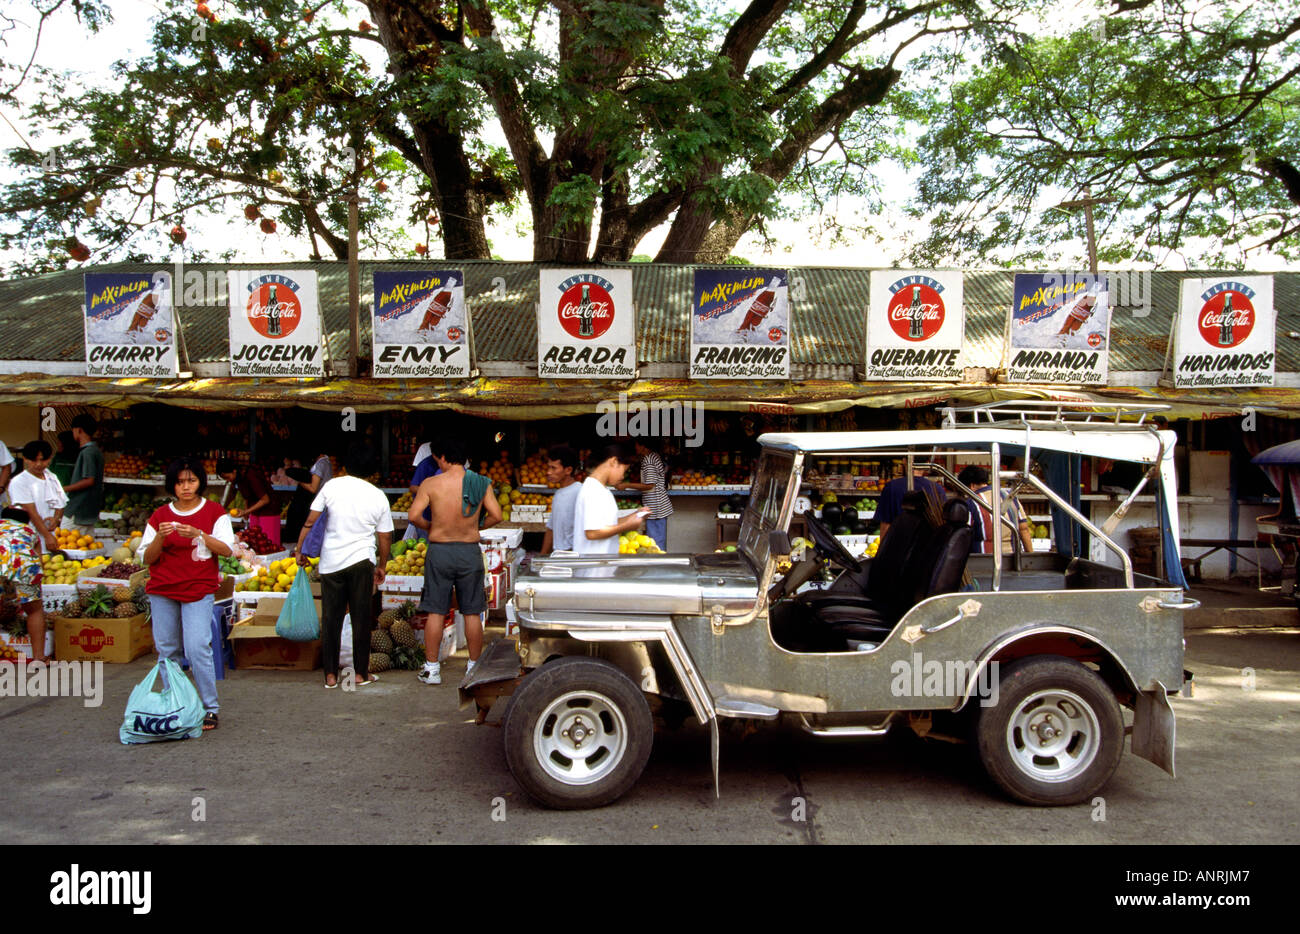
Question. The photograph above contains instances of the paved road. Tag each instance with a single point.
(397, 762)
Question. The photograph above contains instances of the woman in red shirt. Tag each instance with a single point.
(180, 544)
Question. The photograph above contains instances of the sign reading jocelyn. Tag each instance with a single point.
(740, 324)
(1226, 333)
(915, 323)
(421, 325)
(1060, 329)
(274, 323)
(128, 324)
(585, 327)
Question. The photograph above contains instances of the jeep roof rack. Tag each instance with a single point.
(1048, 413)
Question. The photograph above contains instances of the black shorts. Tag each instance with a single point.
(450, 565)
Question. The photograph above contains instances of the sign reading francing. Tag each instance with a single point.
(740, 324)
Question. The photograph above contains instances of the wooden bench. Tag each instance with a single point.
(1192, 566)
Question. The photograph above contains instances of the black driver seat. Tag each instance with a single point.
(939, 570)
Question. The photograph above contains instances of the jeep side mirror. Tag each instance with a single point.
(778, 544)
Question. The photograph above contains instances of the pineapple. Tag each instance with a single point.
(402, 634)
(74, 609)
(379, 662)
(386, 619)
(124, 610)
(406, 610)
(98, 603)
(121, 594)
(381, 642)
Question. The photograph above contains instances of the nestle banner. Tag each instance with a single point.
(915, 324)
(1226, 332)
(274, 323)
(1059, 329)
(421, 325)
(129, 325)
(740, 324)
(585, 326)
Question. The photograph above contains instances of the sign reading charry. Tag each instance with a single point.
(274, 323)
(1226, 333)
(585, 327)
(421, 325)
(740, 324)
(915, 323)
(1060, 329)
(129, 325)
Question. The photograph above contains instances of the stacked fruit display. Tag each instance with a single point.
(637, 543)
(70, 539)
(103, 603)
(256, 539)
(233, 566)
(533, 471)
(277, 577)
(501, 472)
(133, 466)
(626, 503)
(865, 506)
(732, 505)
(237, 503)
(407, 558)
(135, 511)
(118, 570)
(60, 570)
(393, 643)
(403, 502)
(696, 478)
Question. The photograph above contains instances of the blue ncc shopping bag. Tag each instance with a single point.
(298, 621)
(175, 712)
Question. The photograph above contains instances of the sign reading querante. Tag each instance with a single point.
(915, 324)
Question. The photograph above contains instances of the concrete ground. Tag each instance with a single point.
(397, 762)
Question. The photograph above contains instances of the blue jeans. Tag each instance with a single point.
(658, 530)
(188, 624)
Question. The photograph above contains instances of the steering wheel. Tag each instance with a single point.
(828, 546)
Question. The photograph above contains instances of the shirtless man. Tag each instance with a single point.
(454, 560)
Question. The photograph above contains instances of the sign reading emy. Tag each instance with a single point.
(274, 323)
(421, 325)
(1226, 333)
(129, 324)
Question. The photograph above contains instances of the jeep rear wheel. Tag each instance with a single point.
(578, 733)
(1056, 734)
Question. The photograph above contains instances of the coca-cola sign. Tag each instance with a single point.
(586, 310)
(916, 312)
(914, 325)
(274, 323)
(1225, 334)
(585, 324)
(273, 308)
(1226, 328)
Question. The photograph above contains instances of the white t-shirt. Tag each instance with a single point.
(46, 493)
(357, 510)
(594, 509)
(222, 530)
(561, 522)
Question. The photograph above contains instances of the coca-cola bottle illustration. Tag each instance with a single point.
(586, 314)
(272, 314)
(915, 327)
(143, 312)
(436, 311)
(1225, 323)
(760, 308)
(1079, 312)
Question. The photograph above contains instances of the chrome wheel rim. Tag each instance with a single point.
(580, 738)
(1053, 736)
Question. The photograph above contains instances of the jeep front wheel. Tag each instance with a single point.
(1055, 735)
(578, 734)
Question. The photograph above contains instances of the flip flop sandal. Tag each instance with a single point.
(209, 722)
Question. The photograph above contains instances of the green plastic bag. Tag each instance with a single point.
(298, 621)
(175, 712)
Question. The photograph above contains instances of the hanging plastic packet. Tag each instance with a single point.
(201, 551)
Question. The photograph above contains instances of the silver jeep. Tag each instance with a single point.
(1030, 656)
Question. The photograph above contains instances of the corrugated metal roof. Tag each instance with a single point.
(40, 317)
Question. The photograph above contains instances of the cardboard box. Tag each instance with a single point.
(102, 640)
(256, 645)
(23, 644)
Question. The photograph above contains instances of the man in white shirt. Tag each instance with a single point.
(38, 492)
(358, 534)
(596, 526)
(561, 468)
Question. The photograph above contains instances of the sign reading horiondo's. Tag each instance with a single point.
(274, 323)
(1060, 328)
(1226, 332)
(421, 324)
(915, 323)
(128, 324)
(585, 324)
(740, 324)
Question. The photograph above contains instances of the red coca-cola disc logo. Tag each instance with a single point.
(775, 334)
(901, 314)
(162, 334)
(1095, 339)
(287, 313)
(1210, 322)
(569, 310)
(453, 334)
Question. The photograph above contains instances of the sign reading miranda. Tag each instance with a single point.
(129, 325)
(740, 324)
(585, 325)
(1060, 329)
(421, 325)
(1226, 332)
(915, 323)
(274, 323)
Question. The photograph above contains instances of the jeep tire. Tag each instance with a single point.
(1055, 735)
(578, 733)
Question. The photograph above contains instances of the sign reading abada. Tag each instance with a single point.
(915, 324)
(421, 325)
(1226, 332)
(585, 324)
(274, 323)
(129, 325)
(740, 324)
(1059, 329)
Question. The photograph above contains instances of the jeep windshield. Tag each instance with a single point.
(775, 485)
